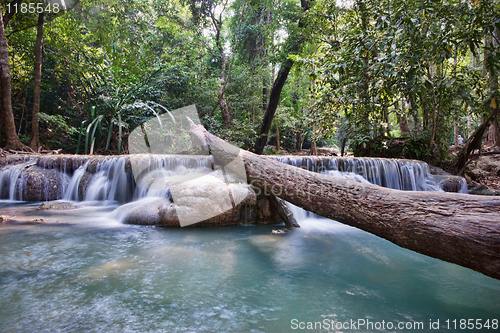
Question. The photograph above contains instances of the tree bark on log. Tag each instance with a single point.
(458, 228)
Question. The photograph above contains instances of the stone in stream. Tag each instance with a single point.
(57, 205)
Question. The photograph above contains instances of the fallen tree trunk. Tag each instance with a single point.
(458, 228)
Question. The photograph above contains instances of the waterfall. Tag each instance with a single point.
(121, 179)
(71, 192)
(399, 174)
(11, 180)
(127, 178)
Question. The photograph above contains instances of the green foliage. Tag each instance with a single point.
(379, 54)
(55, 131)
(414, 147)
(381, 74)
(270, 150)
(417, 147)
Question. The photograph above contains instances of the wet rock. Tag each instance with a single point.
(485, 170)
(65, 163)
(452, 184)
(57, 205)
(211, 200)
(13, 159)
(5, 218)
(438, 171)
(147, 211)
(38, 184)
(84, 184)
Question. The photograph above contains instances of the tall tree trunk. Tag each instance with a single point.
(265, 77)
(404, 125)
(473, 142)
(455, 131)
(274, 99)
(224, 107)
(491, 42)
(314, 149)
(221, 101)
(469, 121)
(364, 85)
(342, 145)
(414, 111)
(278, 85)
(425, 111)
(35, 137)
(14, 5)
(9, 127)
(497, 134)
(493, 85)
(430, 77)
(278, 146)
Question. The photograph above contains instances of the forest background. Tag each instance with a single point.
(386, 78)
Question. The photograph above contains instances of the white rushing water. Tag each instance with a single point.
(399, 174)
(112, 180)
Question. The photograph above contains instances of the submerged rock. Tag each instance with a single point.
(57, 205)
(453, 184)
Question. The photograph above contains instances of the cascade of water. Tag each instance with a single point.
(463, 186)
(152, 172)
(407, 175)
(71, 192)
(11, 180)
(110, 182)
(126, 178)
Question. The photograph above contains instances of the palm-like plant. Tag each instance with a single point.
(115, 103)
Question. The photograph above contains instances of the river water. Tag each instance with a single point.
(82, 271)
(85, 272)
